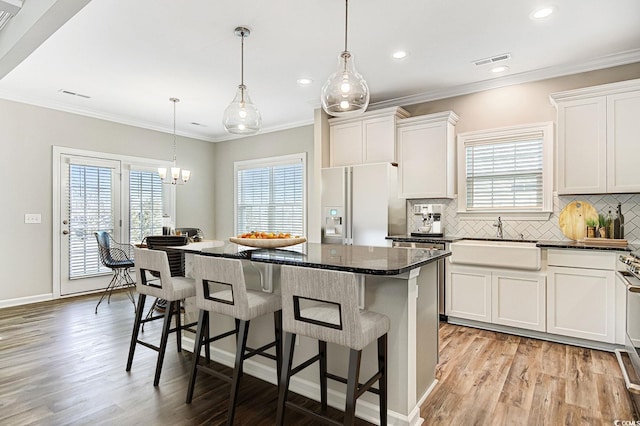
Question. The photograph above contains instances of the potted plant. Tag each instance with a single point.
(592, 224)
(603, 226)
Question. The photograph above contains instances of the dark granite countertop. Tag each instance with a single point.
(358, 259)
(567, 244)
(408, 238)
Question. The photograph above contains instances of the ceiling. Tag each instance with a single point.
(130, 57)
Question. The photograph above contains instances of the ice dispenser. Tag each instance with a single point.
(333, 226)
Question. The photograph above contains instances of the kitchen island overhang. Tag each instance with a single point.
(397, 282)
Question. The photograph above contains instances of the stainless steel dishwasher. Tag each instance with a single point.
(441, 267)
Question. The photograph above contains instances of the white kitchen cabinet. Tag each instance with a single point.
(497, 296)
(426, 156)
(597, 137)
(468, 293)
(581, 299)
(364, 139)
(519, 299)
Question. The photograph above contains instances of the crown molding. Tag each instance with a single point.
(608, 61)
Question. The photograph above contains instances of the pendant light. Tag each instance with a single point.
(345, 92)
(241, 116)
(177, 177)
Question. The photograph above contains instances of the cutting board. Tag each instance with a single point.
(572, 219)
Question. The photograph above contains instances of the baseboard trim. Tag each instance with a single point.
(26, 300)
(364, 409)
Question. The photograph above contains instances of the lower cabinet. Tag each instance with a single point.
(468, 293)
(581, 303)
(518, 299)
(512, 298)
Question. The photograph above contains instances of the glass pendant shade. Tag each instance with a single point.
(241, 116)
(345, 92)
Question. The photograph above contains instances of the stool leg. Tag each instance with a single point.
(136, 329)
(277, 327)
(178, 325)
(207, 349)
(203, 320)
(352, 386)
(322, 352)
(382, 383)
(163, 340)
(243, 332)
(285, 375)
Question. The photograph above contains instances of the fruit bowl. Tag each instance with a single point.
(268, 242)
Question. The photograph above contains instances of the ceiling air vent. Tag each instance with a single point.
(68, 92)
(8, 9)
(492, 60)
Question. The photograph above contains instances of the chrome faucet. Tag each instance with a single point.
(498, 225)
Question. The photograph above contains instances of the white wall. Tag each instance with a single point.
(283, 142)
(28, 134)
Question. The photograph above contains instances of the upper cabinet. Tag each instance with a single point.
(598, 130)
(426, 156)
(364, 139)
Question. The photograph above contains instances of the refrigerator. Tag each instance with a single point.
(360, 205)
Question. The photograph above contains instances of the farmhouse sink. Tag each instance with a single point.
(500, 254)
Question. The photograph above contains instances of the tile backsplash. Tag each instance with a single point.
(532, 230)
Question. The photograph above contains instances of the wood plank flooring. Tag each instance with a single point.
(489, 378)
(62, 364)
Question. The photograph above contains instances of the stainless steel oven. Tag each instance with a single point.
(631, 368)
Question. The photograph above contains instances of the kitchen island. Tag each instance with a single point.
(399, 283)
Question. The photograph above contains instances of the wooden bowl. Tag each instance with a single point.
(268, 242)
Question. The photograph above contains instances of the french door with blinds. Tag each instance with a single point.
(101, 192)
(90, 202)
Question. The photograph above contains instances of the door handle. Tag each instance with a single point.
(65, 232)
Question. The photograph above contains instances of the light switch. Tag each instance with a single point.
(32, 218)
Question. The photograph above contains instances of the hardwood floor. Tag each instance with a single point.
(489, 378)
(62, 364)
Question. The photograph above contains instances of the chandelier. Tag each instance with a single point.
(178, 177)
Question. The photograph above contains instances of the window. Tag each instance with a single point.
(145, 205)
(270, 194)
(506, 170)
(90, 210)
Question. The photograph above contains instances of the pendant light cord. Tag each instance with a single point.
(346, 22)
(174, 100)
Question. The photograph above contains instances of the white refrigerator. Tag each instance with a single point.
(360, 205)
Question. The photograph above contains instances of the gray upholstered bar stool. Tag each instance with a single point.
(153, 278)
(323, 305)
(221, 289)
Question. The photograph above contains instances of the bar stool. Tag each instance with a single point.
(323, 305)
(221, 289)
(154, 279)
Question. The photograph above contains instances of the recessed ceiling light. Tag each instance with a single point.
(541, 13)
(304, 81)
(400, 54)
(499, 69)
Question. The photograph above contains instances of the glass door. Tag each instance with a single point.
(89, 202)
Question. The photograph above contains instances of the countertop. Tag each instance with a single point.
(566, 244)
(357, 259)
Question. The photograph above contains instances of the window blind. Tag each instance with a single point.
(271, 198)
(145, 205)
(90, 210)
(505, 173)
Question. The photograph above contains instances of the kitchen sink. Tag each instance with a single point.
(496, 253)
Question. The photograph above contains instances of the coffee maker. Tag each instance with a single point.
(431, 223)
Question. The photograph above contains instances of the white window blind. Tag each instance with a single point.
(90, 210)
(505, 173)
(270, 196)
(145, 205)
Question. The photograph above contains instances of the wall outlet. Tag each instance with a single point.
(32, 218)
